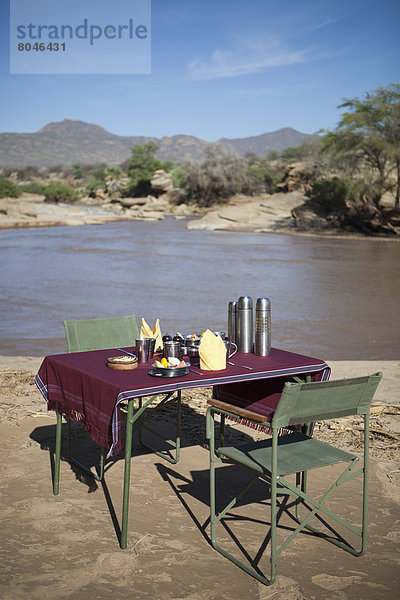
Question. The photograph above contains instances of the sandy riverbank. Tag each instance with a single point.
(66, 546)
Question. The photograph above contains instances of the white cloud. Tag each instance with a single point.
(230, 64)
(252, 58)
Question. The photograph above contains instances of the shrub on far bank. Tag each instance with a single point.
(57, 191)
(260, 177)
(331, 194)
(8, 189)
(218, 177)
(33, 188)
(93, 184)
(141, 167)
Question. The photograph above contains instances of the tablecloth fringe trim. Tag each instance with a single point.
(97, 436)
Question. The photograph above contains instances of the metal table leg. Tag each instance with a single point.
(56, 481)
(127, 475)
(130, 421)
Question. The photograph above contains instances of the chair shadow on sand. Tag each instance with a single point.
(247, 526)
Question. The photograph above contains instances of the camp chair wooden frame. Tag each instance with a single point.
(272, 460)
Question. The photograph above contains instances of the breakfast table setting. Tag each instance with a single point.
(91, 387)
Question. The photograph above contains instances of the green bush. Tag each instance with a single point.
(77, 171)
(21, 174)
(98, 173)
(141, 167)
(8, 189)
(32, 188)
(93, 184)
(307, 150)
(291, 154)
(261, 179)
(331, 194)
(57, 191)
(178, 174)
(112, 171)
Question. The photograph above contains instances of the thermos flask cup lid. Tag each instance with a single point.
(245, 302)
(263, 304)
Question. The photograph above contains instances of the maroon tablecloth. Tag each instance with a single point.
(82, 387)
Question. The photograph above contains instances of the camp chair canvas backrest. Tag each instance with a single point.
(100, 334)
(308, 402)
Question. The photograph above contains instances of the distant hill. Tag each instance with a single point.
(264, 143)
(67, 142)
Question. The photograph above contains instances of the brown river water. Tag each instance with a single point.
(335, 299)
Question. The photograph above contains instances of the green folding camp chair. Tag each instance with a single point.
(98, 334)
(114, 332)
(274, 459)
(82, 336)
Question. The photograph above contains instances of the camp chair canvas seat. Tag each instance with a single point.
(274, 459)
(99, 334)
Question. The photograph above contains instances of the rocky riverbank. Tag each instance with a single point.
(241, 213)
(289, 210)
(284, 212)
(262, 214)
(33, 211)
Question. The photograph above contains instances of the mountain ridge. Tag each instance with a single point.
(72, 141)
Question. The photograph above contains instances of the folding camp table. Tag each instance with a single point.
(82, 387)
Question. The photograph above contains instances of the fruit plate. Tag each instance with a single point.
(169, 372)
(155, 366)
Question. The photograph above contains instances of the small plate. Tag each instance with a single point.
(168, 368)
(172, 372)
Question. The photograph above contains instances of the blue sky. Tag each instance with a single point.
(222, 68)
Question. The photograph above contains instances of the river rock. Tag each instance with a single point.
(33, 212)
(298, 177)
(160, 204)
(182, 210)
(161, 182)
(132, 202)
(262, 214)
(305, 217)
(99, 193)
(149, 215)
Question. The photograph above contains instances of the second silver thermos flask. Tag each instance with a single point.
(245, 324)
(232, 321)
(262, 344)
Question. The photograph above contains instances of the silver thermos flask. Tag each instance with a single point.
(232, 321)
(245, 324)
(262, 344)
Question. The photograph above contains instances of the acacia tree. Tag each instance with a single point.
(368, 136)
(142, 166)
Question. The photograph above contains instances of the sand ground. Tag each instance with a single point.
(67, 546)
